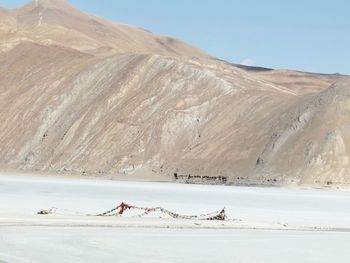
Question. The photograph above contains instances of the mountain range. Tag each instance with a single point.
(82, 95)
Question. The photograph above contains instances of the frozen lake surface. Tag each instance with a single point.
(267, 224)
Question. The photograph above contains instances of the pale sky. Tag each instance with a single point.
(306, 35)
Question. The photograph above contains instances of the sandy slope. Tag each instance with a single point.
(55, 22)
(301, 225)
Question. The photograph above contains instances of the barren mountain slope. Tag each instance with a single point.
(81, 95)
(300, 82)
(311, 141)
(127, 111)
(55, 22)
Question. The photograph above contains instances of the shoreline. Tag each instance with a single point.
(136, 179)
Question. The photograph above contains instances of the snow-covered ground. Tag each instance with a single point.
(266, 224)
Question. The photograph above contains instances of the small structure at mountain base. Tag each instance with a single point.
(200, 179)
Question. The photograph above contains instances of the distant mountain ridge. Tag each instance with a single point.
(55, 22)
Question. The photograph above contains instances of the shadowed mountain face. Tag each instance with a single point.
(82, 95)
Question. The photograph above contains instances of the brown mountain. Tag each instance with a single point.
(54, 22)
(80, 95)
